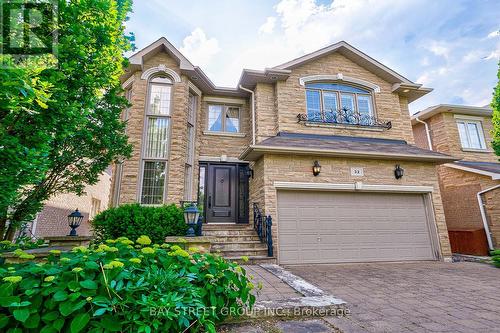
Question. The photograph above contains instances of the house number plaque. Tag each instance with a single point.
(357, 172)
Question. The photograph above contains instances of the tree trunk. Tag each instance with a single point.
(11, 232)
(3, 224)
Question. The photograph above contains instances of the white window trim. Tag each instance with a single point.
(207, 131)
(479, 123)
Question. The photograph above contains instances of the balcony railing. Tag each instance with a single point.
(344, 116)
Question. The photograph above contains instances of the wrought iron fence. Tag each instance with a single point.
(344, 116)
(262, 225)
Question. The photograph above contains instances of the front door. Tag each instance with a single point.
(222, 182)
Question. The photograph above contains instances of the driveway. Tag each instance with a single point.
(411, 297)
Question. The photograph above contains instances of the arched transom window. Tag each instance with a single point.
(339, 103)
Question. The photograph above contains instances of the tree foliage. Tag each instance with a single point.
(60, 125)
(496, 115)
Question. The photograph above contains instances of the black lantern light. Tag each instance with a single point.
(399, 172)
(191, 215)
(74, 221)
(316, 168)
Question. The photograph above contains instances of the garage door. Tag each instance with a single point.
(333, 227)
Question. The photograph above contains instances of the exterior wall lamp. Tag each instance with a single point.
(316, 168)
(74, 221)
(399, 172)
(191, 215)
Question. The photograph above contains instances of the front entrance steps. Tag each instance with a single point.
(235, 241)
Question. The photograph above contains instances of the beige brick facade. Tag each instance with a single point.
(337, 170)
(388, 106)
(276, 107)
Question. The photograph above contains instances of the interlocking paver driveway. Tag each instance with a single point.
(412, 297)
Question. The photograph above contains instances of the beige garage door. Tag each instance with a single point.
(332, 227)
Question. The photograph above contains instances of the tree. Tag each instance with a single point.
(496, 115)
(76, 131)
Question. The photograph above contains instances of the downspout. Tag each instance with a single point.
(483, 215)
(427, 132)
(253, 112)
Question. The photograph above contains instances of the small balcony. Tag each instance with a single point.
(345, 118)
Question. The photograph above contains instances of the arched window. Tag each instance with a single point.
(339, 103)
(155, 148)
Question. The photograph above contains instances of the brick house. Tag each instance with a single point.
(466, 185)
(250, 150)
(53, 219)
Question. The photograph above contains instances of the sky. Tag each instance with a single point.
(452, 46)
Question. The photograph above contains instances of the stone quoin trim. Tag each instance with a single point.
(161, 69)
(338, 77)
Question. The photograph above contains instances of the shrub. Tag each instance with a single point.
(495, 257)
(121, 287)
(133, 220)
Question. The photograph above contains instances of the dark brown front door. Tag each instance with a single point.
(221, 197)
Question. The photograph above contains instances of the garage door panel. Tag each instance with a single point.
(353, 227)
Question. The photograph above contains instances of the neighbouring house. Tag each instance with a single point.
(53, 219)
(470, 187)
(249, 151)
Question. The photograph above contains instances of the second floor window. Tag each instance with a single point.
(156, 140)
(338, 103)
(223, 118)
(471, 134)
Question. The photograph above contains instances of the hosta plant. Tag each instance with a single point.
(122, 286)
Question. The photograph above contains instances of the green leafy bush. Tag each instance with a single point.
(122, 286)
(133, 220)
(495, 257)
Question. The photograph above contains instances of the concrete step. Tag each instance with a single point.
(227, 226)
(236, 246)
(218, 233)
(248, 252)
(253, 260)
(234, 239)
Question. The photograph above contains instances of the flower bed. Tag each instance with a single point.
(122, 286)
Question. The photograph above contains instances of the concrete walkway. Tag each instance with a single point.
(411, 297)
(272, 287)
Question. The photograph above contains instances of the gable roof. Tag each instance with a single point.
(249, 78)
(480, 111)
(195, 73)
(401, 84)
(353, 54)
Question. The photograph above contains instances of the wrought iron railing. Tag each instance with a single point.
(263, 226)
(344, 116)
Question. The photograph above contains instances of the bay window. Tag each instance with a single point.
(190, 146)
(156, 141)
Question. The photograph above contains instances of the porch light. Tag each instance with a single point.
(191, 215)
(316, 168)
(74, 221)
(399, 172)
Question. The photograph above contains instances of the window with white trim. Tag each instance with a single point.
(156, 140)
(223, 118)
(190, 146)
(326, 100)
(471, 134)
